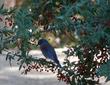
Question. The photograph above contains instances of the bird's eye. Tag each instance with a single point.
(40, 42)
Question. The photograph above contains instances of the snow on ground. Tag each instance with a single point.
(12, 76)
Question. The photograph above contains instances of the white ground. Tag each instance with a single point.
(12, 76)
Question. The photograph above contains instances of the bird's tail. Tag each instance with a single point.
(58, 63)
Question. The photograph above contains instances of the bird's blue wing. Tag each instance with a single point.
(50, 53)
(53, 56)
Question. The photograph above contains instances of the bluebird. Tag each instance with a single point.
(48, 51)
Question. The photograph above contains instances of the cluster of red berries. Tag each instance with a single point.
(38, 68)
(62, 77)
(8, 21)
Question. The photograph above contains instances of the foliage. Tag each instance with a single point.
(89, 20)
(93, 49)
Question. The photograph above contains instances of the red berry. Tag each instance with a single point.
(1, 19)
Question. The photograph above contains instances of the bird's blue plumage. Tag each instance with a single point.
(48, 51)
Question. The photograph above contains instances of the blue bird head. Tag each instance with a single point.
(43, 42)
